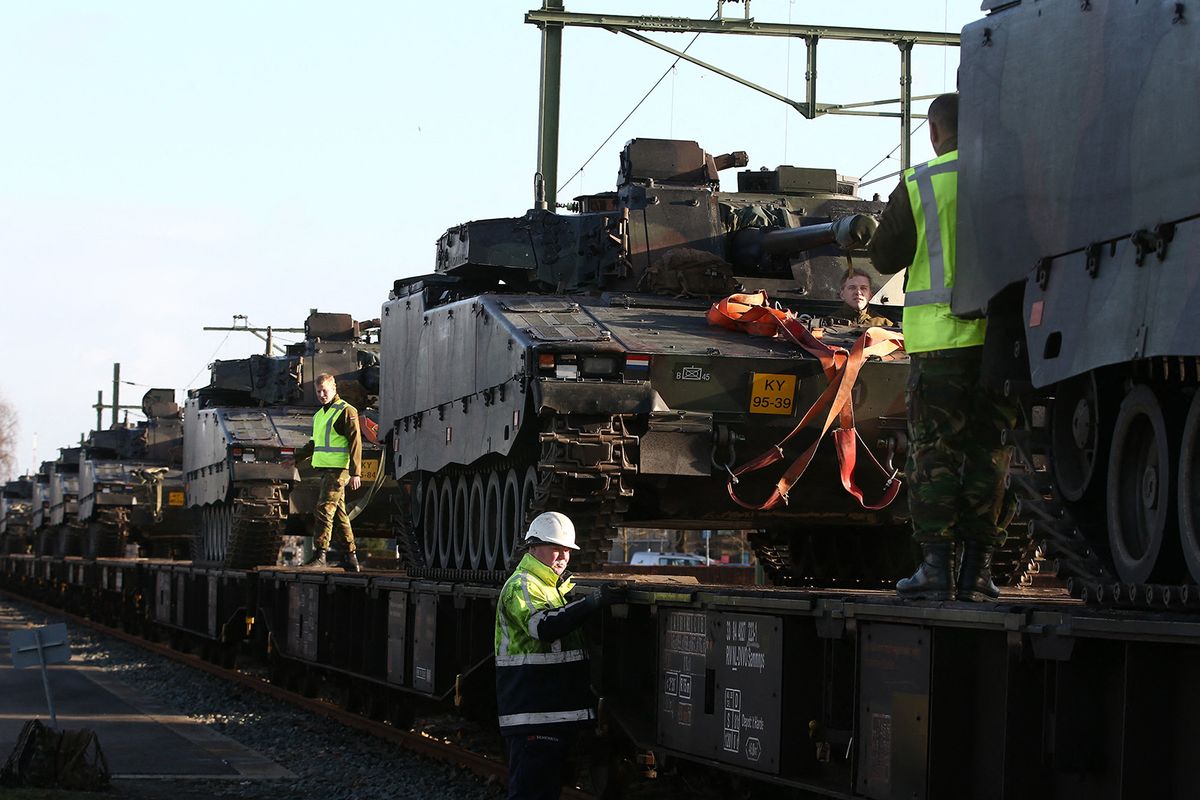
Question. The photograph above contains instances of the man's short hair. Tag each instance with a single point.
(325, 378)
(854, 273)
(943, 112)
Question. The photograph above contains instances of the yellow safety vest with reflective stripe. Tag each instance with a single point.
(539, 684)
(330, 448)
(928, 321)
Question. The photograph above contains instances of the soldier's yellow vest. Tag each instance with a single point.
(928, 322)
(330, 448)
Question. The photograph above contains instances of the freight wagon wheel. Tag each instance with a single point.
(445, 529)
(475, 522)
(460, 532)
(429, 520)
(493, 521)
(1076, 435)
(1140, 483)
(512, 514)
(1189, 490)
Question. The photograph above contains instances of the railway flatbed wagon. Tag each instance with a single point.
(841, 693)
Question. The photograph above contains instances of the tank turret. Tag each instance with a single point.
(668, 197)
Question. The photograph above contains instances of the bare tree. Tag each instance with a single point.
(8, 440)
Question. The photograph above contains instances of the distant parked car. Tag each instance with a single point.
(650, 558)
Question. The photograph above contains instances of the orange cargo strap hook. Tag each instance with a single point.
(750, 313)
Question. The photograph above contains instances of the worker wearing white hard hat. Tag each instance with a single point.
(543, 688)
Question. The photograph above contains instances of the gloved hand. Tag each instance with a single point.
(612, 593)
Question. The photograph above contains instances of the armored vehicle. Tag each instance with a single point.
(17, 500)
(39, 514)
(131, 485)
(564, 361)
(62, 523)
(1080, 239)
(241, 433)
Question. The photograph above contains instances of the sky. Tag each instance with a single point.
(167, 166)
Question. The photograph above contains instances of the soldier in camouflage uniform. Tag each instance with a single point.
(956, 462)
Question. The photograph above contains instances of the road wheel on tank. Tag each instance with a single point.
(1189, 489)
(476, 524)
(493, 521)
(1141, 511)
(429, 519)
(460, 534)
(512, 515)
(445, 529)
(529, 490)
(1079, 436)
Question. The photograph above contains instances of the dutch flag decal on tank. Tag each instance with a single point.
(637, 363)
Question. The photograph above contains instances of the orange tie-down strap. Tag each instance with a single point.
(751, 313)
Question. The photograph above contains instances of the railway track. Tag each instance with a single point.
(429, 746)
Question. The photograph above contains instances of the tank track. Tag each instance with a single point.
(1062, 551)
(1056, 547)
(585, 470)
(835, 557)
(255, 528)
(106, 535)
(259, 519)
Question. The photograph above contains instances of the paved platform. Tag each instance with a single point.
(141, 738)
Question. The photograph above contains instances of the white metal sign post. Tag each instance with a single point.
(41, 647)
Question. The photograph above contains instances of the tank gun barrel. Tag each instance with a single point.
(755, 247)
(850, 232)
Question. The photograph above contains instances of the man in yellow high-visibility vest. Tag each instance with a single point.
(956, 460)
(336, 452)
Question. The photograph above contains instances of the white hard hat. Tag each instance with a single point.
(552, 528)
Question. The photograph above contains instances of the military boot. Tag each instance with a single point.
(975, 574)
(932, 579)
(352, 562)
(318, 558)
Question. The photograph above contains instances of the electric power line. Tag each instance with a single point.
(621, 124)
(207, 363)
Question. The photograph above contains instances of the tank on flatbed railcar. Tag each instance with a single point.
(1079, 234)
(63, 512)
(241, 433)
(15, 512)
(131, 484)
(564, 361)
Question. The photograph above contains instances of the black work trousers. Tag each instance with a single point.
(537, 765)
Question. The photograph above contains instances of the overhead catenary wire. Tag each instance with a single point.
(621, 124)
(208, 362)
(891, 153)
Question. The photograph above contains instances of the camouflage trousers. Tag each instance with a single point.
(331, 508)
(956, 463)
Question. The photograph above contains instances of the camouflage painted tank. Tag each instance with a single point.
(564, 361)
(241, 433)
(131, 485)
(15, 513)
